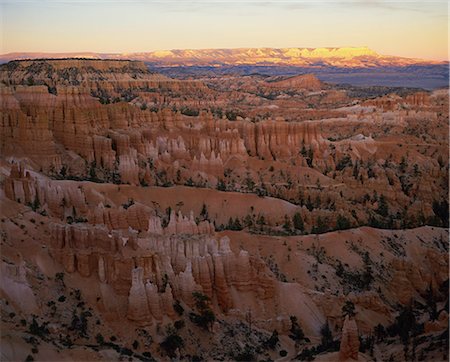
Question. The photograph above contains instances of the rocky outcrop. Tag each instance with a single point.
(349, 341)
(15, 287)
(410, 280)
(138, 309)
(299, 82)
(169, 264)
(179, 224)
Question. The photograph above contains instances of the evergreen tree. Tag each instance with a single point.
(298, 222)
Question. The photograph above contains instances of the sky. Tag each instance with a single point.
(412, 29)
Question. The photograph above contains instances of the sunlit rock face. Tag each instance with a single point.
(349, 348)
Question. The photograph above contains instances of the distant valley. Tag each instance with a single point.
(357, 66)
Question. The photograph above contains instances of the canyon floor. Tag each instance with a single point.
(244, 217)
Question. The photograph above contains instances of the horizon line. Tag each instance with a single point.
(218, 48)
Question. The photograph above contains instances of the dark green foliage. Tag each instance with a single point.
(366, 344)
(126, 351)
(403, 165)
(261, 191)
(273, 340)
(189, 182)
(38, 330)
(303, 151)
(342, 223)
(248, 354)
(234, 224)
(383, 208)
(178, 308)
(320, 226)
(287, 225)
(405, 184)
(296, 332)
(80, 323)
(172, 342)
(248, 221)
(406, 323)
(221, 186)
(217, 112)
(309, 205)
(250, 184)
(99, 338)
(261, 221)
(92, 172)
(179, 324)
(430, 299)
(380, 223)
(348, 309)
(298, 222)
(36, 203)
(441, 161)
(147, 355)
(441, 211)
(204, 213)
(63, 171)
(356, 170)
(204, 320)
(231, 115)
(116, 178)
(77, 294)
(128, 204)
(205, 316)
(379, 332)
(307, 354)
(310, 157)
(60, 277)
(326, 336)
(344, 162)
(189, 112)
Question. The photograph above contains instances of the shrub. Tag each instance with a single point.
(342, 223)
(221, 186)
(189, 112)
(440, 209)
(383, 208)
(205, 317)
(273, 340)
(298, 222)
(172, 342)
(248, 354)
(348, 309)
(99, 338)
(179, 324)
(128, 204)
(346, 161)
(297, 333)
(178, 308)
(287, 226)
(38, 330)
(326, 336)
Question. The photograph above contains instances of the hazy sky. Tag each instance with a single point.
(413, 29)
